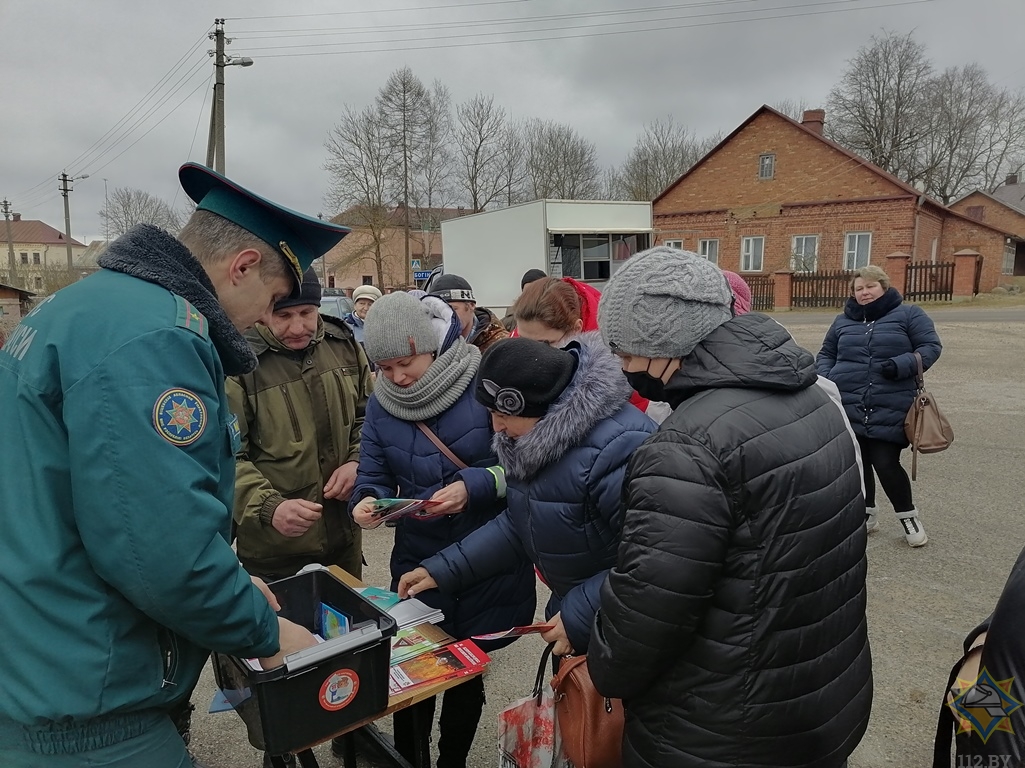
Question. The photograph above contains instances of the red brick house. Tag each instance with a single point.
(776, 194)
(1003, 208)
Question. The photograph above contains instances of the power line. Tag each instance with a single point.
(321, 31)
(380, 10)
(565, 35)
(167, 76)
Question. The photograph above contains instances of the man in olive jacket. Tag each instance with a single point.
(300, 417)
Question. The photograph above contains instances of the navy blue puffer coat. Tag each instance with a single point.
(397, 458)
(857, 344)
(565, 481)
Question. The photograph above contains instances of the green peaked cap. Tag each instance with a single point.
(296, 237)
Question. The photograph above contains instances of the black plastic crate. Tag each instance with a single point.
(320, 690)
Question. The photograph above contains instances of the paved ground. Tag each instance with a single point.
(921, 602)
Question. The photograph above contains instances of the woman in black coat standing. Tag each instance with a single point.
(869, 353)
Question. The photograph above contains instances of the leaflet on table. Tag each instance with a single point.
(382, 598)
(410, 612)
(392, 509)
(454, 660)
(412, 641)
(515, 632)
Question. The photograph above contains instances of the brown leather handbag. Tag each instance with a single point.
(591, 725)
(925, 426)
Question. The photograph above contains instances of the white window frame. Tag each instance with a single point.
(850, 254)
(677, 244)
(798, 247)
(767, 166)
(747, 253)
(1010, 252)
(705, 245)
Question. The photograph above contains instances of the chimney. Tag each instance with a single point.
(1012, 179)
(814, 119)
(15, 217)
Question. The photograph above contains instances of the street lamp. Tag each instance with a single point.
(215, 139)
(65, 180)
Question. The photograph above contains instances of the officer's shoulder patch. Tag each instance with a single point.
(179, 416)
(191, 318)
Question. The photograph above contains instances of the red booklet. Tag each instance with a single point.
(457, 659)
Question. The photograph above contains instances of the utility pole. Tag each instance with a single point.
(65, 180)
(10, 245)
(215, 138)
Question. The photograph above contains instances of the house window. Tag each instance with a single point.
(751, 250)
(709, 249)
(35, 258)
(1010, 248)
(804, 253)
(858, 250)
(766, 166)
(677, 244)
(24, 258)
(368, 280)
(977, 212)
(39, 283)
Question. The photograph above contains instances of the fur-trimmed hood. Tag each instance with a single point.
(597, 391)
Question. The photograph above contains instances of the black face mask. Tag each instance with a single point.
(648, 386)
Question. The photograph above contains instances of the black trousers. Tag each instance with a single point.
(461, 708)
(884, 458)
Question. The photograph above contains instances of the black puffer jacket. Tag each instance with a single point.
(733, 624)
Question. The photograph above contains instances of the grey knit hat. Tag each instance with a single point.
(397, 325)
(662, 303)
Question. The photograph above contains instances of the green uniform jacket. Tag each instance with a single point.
(116, 574)
(300, 417)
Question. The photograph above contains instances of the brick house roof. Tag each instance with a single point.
(1011, 195)
(903, 185)
(29, 231)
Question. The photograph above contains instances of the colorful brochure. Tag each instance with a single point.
(457, 659)
(393, 509)
(412, 641)
(530, 629)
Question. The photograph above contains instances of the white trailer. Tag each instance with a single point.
(584, 239)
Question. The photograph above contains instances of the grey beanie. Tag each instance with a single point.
(398, 325)
(662, 303)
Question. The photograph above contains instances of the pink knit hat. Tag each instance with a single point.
(741, 292)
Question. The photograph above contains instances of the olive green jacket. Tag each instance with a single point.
(300, 417)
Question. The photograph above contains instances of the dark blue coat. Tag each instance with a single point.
(857, 344)
(565, 478)
(397, 459)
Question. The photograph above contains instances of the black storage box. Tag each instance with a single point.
(321, 690)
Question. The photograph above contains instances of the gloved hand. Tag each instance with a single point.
(888, 369)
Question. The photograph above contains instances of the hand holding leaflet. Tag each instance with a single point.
(392, 509)
(515, 632)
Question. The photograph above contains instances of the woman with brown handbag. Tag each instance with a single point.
(869, 353)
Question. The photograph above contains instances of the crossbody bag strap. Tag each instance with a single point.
(445, 450)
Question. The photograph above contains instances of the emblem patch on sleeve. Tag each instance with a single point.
(179, 416)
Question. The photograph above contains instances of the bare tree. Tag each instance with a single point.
(513, 164)
(127, 206)
(359, 163)
(402, 103)
(561, 163)
(663, 152)
(432, 184)
(480, 134)
(1004, 152)
(792, 108)
(879, 107)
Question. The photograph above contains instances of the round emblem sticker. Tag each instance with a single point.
(179, 416)
(339, 689)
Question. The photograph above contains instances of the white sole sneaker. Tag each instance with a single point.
(871, 521)
(914, 532)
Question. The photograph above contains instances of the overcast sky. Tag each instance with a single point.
(73, 70)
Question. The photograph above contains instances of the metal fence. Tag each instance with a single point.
(927, 281)
(821, 289)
